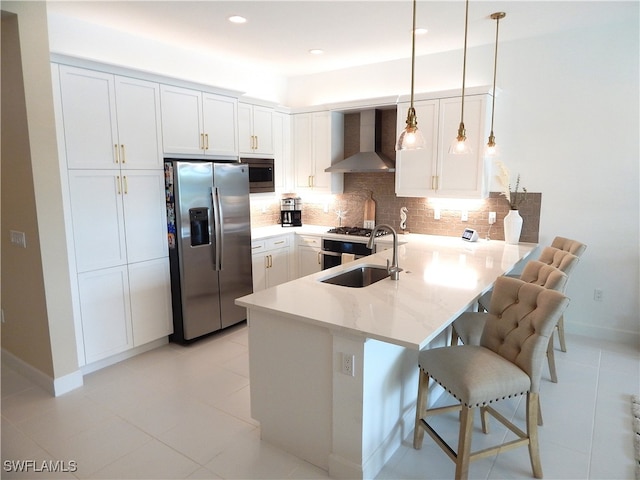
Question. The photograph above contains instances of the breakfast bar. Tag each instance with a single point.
(333, 369)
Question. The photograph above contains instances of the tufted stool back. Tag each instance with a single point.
(522, 317)
(546, 276)
(561, 259)
(568, 245)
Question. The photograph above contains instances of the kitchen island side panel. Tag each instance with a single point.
(290, 367)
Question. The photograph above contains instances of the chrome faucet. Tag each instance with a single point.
(393, 269)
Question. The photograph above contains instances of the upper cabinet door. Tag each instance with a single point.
(139, 132)
(220, 119)
(89, 118)
(181, 120)
(255, 129)
(463, 176)
(415, 169)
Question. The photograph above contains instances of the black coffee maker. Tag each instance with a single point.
(291, 212)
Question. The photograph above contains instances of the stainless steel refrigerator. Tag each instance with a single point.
(209, 245)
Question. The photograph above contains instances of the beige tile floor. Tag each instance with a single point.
(183, 412)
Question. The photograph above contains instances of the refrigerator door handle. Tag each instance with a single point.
(217, 227)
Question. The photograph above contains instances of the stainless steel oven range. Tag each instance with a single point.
(332, 248)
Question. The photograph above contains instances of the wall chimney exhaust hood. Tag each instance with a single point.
(370, 158)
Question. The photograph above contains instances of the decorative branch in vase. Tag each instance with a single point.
(514, 197)
(512, 221)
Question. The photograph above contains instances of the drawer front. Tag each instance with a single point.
(277, 242)
(309, 241)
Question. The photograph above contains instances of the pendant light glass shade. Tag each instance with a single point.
(460, 146)
(492, 149)
(411, 138)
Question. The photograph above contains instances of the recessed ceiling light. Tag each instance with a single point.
(237, 19)
(316, 51)
(421, 31)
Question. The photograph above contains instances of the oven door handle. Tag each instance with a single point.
(330, 254)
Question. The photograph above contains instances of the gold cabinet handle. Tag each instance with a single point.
(117, 153)
(202, 141)
(206, 141)
(126, 187)
(256, 144)
(123, 157)
(319, 258)
(118, 186)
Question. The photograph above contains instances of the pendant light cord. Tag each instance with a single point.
(464, 58)
(495, 68)
(413, 51)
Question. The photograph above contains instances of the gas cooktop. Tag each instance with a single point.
(356, 231)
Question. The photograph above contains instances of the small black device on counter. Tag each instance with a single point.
(291, 212)
(470, 235)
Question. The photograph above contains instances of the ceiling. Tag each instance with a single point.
(279, 34)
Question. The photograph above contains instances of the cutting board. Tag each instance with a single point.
(369, 211)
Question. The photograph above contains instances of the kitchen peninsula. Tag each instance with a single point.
(333, 369)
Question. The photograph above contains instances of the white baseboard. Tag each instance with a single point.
(595, 331)
(55, 386)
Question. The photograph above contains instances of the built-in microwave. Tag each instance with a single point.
(261, 174)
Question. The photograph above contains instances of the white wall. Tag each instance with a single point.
(567, 121)
(94, 42)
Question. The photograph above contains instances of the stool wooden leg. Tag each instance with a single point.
(464, 443)
(551, 359)
(533, 405)
(563, 343)
(421, 409)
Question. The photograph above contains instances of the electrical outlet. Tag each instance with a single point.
(492, 218)
(465, 216)
(348, 361)
(436, 214)
(597, 295)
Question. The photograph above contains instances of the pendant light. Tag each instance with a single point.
(459, 146)
(492, 148)
(411, 138)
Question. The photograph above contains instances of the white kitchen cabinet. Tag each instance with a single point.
(255, 129)
(318, 141)
(308, 252)
(149, 285)
(271, 261)
(110, 121)
(120, 242)
(433, 171)
(106, 312)
(198, 123)
(283, 165)
(117, 217)
(97, 218)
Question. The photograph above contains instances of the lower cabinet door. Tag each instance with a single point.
(105, 311)
(150, 289)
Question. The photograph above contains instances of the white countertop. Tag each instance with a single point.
(441, 278)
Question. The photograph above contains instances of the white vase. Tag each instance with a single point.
(512, 227)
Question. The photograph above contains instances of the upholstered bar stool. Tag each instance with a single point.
(568, 245)
(576, 248)
(468, 326)
(507, 363)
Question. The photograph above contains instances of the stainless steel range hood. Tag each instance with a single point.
(370, 158)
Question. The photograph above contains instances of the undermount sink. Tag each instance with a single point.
(358, 277)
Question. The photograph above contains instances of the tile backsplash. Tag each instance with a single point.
(420, 211)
